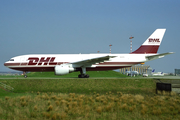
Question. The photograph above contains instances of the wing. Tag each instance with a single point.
(152, 57)
(91, 61)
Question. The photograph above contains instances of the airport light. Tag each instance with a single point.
(131, 50)
(131, 43)
(110, 48)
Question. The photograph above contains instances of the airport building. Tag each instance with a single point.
(177, 72)
(140, 68)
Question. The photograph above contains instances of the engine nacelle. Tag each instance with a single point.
(63, 69)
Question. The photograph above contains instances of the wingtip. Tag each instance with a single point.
(171, 52)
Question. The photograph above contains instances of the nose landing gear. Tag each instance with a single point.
(25, 76)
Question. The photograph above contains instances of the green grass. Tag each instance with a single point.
(75, 74)
(4, 93)
(82, 86)
(70, 75)
(88, 99)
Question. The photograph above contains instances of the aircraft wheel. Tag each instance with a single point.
(86, 76)
(25, 76)
(83, 76)
(79, 76)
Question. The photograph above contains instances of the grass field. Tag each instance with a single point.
(71, 75)
(75, 74)
(101, 99)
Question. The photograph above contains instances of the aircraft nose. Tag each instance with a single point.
(6, 64)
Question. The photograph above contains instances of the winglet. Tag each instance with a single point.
(153, 57)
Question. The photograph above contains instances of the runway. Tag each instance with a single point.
(165, 77)
(153, 77)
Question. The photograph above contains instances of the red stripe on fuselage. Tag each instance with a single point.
(33, 69)
(22, 64)
(146, 49)
(39, 69)
(11, 64)
(34, 64)
(101, 66)
(59, 63)
(118, 63)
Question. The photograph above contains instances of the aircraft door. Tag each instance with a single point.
(23, 61)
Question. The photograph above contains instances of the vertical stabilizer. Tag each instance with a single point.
(151, 45)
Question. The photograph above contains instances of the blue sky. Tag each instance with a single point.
(84, 26)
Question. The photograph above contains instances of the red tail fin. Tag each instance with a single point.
(151, 45)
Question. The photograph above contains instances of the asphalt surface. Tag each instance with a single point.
(166, 77)
(153, 77)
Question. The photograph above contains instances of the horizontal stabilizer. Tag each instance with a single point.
(152, 57)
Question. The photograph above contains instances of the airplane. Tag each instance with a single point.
(157, 73)
(153, 71)
(128, 73)
(63, 64)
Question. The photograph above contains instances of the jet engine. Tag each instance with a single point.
(63, 69)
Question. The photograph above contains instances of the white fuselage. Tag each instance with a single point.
(47, 62)
(63, 64)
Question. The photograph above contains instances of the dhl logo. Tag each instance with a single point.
(154, 40)
(40, 61)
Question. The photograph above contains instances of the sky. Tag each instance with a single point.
(88, 26)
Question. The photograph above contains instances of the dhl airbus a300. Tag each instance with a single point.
(63, 64)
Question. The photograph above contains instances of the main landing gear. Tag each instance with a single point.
(25, 76)
(83, 76)
(83, 73)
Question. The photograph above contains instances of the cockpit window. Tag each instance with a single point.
(11, 60)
